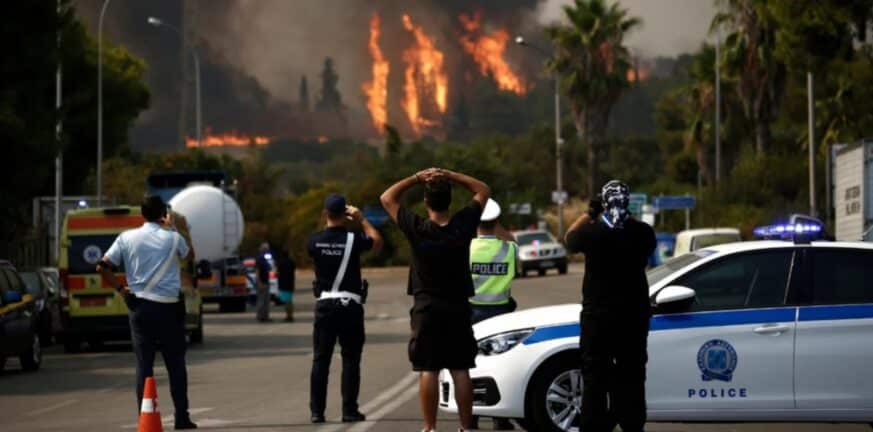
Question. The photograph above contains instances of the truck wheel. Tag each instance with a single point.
(238, 305)
(541, 272)
(32, 358)
(554, 400)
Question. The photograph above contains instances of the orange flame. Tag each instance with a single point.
(377, 90)
(424, 68)
(232, 138)
(487, 52)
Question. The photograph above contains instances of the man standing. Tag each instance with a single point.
(262, 277)
(615, 311)
(285, 278)
(339, 311)
(441, 284)
(492, 262)
(150, 256)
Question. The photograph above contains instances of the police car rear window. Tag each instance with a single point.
(86, 250)
(657, 274)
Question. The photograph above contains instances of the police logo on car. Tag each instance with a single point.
(92, 254)
(717, 360)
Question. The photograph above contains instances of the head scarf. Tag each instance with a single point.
(616, 198)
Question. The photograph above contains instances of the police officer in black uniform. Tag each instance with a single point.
(615, 311)
(339, 311)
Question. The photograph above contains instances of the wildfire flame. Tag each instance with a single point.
(377, 90)
(232, 138)
(425, 75)
(487, 52)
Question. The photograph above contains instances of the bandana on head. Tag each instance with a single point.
(616, 198)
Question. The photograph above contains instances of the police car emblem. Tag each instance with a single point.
(92, 254)
(717, 360)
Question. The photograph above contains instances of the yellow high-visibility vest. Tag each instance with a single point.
(492, 263)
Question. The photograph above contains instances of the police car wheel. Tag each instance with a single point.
(32, 358)
(555, 398)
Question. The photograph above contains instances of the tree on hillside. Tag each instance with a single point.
(593, 62)
(750, 57)
(330, 100)
(304, 94)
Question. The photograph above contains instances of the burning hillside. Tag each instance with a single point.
(226, 139)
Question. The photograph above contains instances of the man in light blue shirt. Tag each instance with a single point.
(150, 256)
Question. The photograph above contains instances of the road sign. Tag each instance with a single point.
(559, 197)
(673, 202)
(520, 209)
(637, 201)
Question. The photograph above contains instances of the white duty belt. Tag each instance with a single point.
(334, 292)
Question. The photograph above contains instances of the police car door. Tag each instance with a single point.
(733, 349)
(835, 332)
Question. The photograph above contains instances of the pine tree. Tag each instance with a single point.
(304, 94)
(330, 99)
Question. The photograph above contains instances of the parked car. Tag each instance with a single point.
(769, 331)
(538, 250)
(696, 239)
(48, 306)
(19, 320)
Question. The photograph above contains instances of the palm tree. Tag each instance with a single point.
(700, 103)
(750, 56)
(593, 62)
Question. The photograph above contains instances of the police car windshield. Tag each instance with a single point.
(657, 274)
(541, 237)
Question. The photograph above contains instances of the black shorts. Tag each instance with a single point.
(442, 336)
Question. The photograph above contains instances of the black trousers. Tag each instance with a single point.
(345, 322)
(160, 327)
(614, 356)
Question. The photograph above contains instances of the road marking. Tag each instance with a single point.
(51, 407)
(388, 408)
(373, 404)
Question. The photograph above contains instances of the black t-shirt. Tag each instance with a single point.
(441, 254)
(285, 273)
(326, 249)
(264, 268)
(615, 264)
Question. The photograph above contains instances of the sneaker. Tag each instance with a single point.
(317, 418)
(354, 417)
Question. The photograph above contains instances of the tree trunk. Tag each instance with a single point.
(762, 136)
(581, 121)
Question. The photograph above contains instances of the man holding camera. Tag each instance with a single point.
(339, 311)
(441, 284)
(150, 255)
(615, 311)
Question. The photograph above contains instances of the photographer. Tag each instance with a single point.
(615, 311)
(339, 311)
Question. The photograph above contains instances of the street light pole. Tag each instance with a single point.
(810, 92)
(718, 105)
(559, 154)
(100, 103)
(199, 116)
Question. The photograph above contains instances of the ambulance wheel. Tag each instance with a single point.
(541, 272)
(32, 358)
(554, 398)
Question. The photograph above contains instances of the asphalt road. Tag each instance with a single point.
(251, 376)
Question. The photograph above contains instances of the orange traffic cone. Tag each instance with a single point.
(149, 417)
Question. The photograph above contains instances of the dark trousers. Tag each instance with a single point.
(334, 320)
(614, 356)
(482, 312)
(160, 327)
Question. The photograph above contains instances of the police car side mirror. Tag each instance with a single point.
(12, 297)
(674, 295)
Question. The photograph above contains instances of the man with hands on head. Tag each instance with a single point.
(339, 311)
(441, 284)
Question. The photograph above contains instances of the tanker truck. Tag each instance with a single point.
(216, 231)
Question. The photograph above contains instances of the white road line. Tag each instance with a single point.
(388, 408)
(373, 404)
(51, 407)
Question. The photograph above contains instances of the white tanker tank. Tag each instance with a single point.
(215, 218)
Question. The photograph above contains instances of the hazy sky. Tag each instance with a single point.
(670, 27)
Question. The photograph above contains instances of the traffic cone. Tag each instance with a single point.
(149, 417)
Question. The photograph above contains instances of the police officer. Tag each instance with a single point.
(492, 263)
(339, 312)
(262, 283)
(615, 311)
(150, 255)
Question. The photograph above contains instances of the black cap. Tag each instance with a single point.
(335, 204)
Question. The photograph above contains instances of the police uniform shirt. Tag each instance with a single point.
(143, 252)
(615, 263)
(441, 254)
(326, 249)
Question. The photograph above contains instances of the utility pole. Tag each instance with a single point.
(100, 104)
(718, 105)
(810, 96)
(55, 253)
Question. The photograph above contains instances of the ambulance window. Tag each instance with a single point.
(748, 280)
(842, 276)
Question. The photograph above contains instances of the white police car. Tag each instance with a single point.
(757, 331)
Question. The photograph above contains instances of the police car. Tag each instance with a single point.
(756, 331)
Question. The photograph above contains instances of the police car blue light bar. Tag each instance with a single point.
(787, 230)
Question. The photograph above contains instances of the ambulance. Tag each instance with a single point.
(92, 311)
